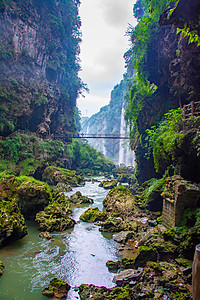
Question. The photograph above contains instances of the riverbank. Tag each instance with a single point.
(78, 255)
(130, 249)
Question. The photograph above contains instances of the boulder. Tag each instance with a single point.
(108, 184)
(77, 198)
(32, 195)
(117, 225)
(113, 266)
(12, 223)
(55, 217)
(123, 236)
(119, 200)
(123, 178)
(63, 187)
(2, 267)
(54, 175)
(45, 235)
(57, 288)
(127, 275)
(95, 292)
(93, 214)
(144, 255)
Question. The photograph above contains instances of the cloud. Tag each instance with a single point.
(104, 23)
(117, 12)
(91, 104)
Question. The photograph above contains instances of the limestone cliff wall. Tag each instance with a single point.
(39, 71)
(173, 65)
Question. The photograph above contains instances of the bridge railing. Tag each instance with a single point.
(90, 136)
(191, 110)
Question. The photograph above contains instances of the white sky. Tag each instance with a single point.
(104, 23)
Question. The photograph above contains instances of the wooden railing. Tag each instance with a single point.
(191, 110)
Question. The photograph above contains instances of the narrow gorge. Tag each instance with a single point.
(99, 218)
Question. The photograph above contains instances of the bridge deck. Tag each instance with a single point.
(90, 136)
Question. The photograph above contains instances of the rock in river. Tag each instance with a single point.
(31, 195)
(102, 293)
(117, 225)
(12, 223)
(55, 216)
(127, 275)
(93, 214)
(108, 184)
(57, 288)
(119, 200)
(123, 236)
(78, 198)
(1, 268)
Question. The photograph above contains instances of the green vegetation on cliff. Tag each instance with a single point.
(165, 78)
(39, 51)
(30, 155)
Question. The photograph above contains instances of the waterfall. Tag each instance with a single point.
(122, 133)
(126, 155)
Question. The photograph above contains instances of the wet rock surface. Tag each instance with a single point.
(55, 216)
(93, 214)
(94, 292)
(2, 267)
(12, 223)
(57, 289)
(119, 200)
(117, 225)
(108, 184)
(78, 198)
(123, 236)
(63, 187)
(127, 275)
(45, 235)
(54, 175)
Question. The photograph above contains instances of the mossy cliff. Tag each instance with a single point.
(39, 80)
(166, 62)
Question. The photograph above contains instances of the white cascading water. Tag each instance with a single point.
(126, 155)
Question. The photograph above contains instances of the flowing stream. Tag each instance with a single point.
(77, 256)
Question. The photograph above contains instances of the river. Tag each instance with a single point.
(77, 256)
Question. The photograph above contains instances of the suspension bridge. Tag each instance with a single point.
(68, 135)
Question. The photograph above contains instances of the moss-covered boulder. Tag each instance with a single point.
(108, 184)
(113, 266)
(57, 289)
(123, 178)
(144, 255)
(55, 216)
(32, 195)
(63, 187)
(93, 214)
(12, 223)
(123, 237)
(78, 198)
(2, 267)
(45, 235)
(96, 293)
(119, 200)
(54, 175)
(117, 225)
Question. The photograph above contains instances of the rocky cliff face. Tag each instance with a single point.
(38, 55)
(172, 63)
(110, 120)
